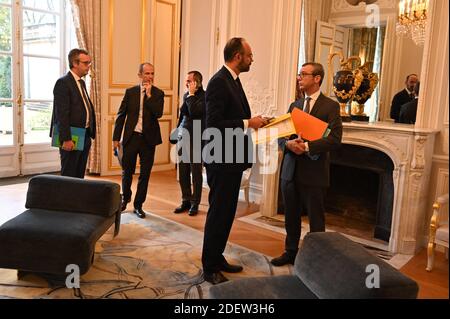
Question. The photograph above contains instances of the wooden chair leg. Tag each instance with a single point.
(247, 195)
(430, 252)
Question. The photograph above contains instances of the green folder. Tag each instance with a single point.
(78, 136)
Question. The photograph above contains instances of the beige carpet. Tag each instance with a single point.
(151, 258)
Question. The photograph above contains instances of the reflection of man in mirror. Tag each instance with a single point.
(408, 111)
(404, 96)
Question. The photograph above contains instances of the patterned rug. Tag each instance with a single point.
(151, 258)
(375, 247)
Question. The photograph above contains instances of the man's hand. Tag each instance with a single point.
(192, 87)
(297, 146)
(148, 88)
(257, 122)
(116, 144)
(68, 145)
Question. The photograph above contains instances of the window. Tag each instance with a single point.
(30, 63)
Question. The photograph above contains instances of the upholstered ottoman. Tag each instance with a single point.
(65, 218)
(328, 265)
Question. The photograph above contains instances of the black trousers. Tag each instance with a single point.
(137, 146)
(223, 199)
(296, 199)
(73, 163)
(191, 192)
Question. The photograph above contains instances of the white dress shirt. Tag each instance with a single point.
(86, 106)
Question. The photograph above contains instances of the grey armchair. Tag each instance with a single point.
(329, 266)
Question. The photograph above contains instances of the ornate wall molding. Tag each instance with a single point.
(261, 99)
(396, 147)
(418, 161)
(340, 6)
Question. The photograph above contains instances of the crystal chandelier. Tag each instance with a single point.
(412, 20)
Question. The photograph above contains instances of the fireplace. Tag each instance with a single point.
(362, 188)
(398, 156)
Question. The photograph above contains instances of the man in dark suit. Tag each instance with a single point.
(408, 111)
(140, 110)
(404, 96)
(305, 168)
(190, 126)
(72, 107)
(227, 112)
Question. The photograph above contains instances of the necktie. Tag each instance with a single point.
(144, 97)
(86, 101)
(239, 85)
(308, 100)
(84, 91)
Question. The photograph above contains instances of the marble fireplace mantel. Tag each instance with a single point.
(410, 149)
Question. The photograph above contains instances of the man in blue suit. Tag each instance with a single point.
(306, 164)
(72, 107)
(227, 110)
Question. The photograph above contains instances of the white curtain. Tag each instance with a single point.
(313, 11)
(86, 15)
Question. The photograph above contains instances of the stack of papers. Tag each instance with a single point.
(310, 128)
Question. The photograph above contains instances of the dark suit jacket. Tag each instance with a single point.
(193, 108)
(128, 114)
(227, 108)
(408, 112)
(399, 99)
(69, 109)
(314, 167)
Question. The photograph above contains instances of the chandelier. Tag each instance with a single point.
(412, 20)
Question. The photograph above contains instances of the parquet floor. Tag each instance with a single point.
(164, 195)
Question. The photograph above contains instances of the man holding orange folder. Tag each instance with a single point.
(305, 168)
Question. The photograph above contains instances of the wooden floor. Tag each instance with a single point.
(164, 195)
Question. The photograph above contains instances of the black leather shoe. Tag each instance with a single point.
(123, 205)
(283, 260)
(215, 277)
(139, 212)
(230, 268)
(182, 208)
(193, 210)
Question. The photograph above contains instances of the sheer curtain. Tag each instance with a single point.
(86, 15)
(312, 9)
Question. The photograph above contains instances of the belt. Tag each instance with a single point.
(137, 133)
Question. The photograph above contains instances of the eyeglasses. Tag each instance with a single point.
(303, 74)
(85, 62)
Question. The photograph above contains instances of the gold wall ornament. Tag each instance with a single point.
(345, 81)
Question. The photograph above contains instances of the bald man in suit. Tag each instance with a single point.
(139, 112)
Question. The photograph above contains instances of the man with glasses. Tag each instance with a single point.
(72, 108)
(305, 167)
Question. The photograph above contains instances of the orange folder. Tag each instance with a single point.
(311, 128)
